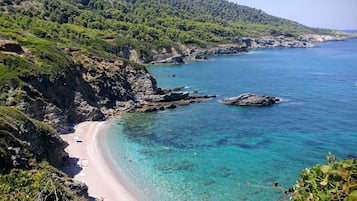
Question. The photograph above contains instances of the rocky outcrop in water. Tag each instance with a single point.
(250, 100)
(170, 101)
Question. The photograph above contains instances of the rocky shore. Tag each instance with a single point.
(92, 90)
(289, 41)
(242, 45)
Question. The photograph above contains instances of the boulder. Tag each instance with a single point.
(250, 100)
(168, 59)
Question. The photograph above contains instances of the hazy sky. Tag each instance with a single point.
(336, 14)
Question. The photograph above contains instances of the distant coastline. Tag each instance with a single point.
(244, 44)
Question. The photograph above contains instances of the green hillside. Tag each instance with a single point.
(112, 27)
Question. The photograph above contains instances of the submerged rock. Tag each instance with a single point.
(173, 166)
(250, 100)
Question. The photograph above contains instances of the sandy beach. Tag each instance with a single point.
(92, 167)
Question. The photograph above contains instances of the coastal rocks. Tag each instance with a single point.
(274, 42)
(250, 100)
(201, 54)
(158, 56)
(291, 41)
(167, 59)
(337, 36)
(170, 101)
(78, 188)
(92, 89)
(24, 140)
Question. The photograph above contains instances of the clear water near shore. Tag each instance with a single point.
(214, 152)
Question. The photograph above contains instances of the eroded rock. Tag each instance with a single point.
(250, 100)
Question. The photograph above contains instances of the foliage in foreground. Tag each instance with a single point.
(336, 181)
(43, 183)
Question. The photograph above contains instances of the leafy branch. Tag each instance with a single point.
(336, 181)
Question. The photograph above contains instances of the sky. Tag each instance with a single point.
(334, 14)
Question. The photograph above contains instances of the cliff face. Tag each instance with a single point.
(25, 141)
(25, 145)
(90, 91)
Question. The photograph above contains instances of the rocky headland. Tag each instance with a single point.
(250, 100)
(290, 41)
(92, 90)
(242, 45)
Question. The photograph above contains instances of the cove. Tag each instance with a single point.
(211, 151)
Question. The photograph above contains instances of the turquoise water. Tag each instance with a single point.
(214, 152)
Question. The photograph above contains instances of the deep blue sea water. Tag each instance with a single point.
(214, 152)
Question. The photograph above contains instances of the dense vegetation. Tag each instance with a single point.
(29, 150)
(336, 181)
(110, 27)
(42, 183)
(114, 28)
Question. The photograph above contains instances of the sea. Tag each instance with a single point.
(214, 152)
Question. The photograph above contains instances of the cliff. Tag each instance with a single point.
(25, 141)
(90, 89)
(25, 144)
(81, 93)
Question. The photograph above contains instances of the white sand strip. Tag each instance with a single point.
(97, 172)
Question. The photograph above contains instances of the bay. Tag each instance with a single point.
(213, 152)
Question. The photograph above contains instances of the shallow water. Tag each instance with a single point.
(211, 151)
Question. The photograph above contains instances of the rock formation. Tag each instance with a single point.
(91, 90)
(25, 143)
(250, 100)
(274, 42)
(24, 139)
(167, 58)
(201, 54)
(10, 46)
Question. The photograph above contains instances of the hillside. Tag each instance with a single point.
(24, 146)
(139, 30)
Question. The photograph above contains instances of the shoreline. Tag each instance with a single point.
(90, 165)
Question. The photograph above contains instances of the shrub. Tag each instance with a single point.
(335, 181)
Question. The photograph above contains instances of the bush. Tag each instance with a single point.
(43, 183)
(335, 181)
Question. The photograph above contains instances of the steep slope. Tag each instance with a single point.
(24, 139)
(25, 145)
(64, 97)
